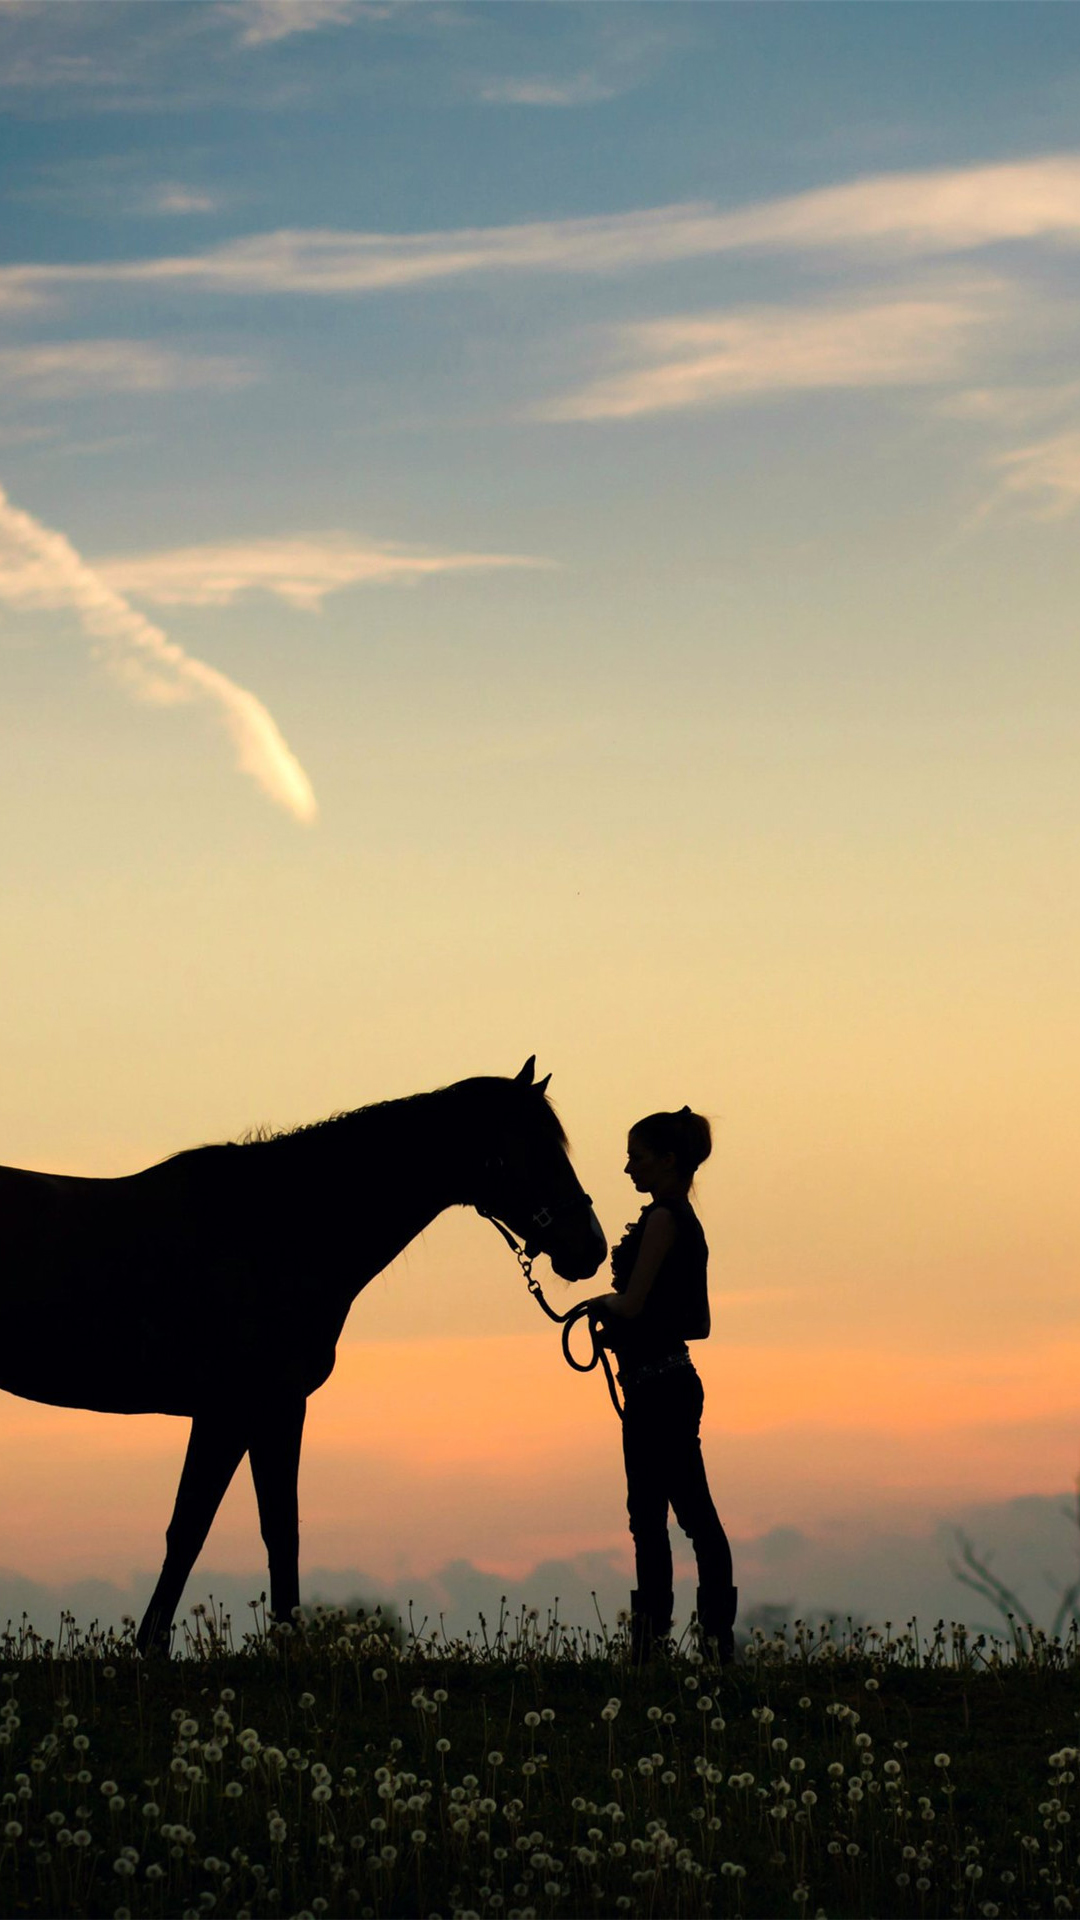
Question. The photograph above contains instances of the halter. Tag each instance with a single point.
(542, 1219)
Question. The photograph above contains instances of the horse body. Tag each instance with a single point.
(217, 1283)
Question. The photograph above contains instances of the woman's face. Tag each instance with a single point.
(647, 1169)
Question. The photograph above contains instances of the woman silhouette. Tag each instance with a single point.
(660, 1301)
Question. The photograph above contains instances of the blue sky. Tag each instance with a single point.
(553, 528)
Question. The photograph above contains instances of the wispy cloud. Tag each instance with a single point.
(1011, 406)
(1043, 478)
(300, 570)
(263, 22)
(580, 90)
(67, 367)
(943, 210)
(178, 199)
(614, 57)
(707, 360)
(901, 215)
(39, 568)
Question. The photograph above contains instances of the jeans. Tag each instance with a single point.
(664, 1468)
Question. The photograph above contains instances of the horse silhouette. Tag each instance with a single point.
(217, 1284)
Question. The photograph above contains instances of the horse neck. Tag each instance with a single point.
(380, 1176)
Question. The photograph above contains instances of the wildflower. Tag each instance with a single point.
(278, 1828)
(12, 1830)
(442, 1746)
(532, 1719)
(942, 1760)
(80, 1838)
(233, 1790)
(495, 1759)
(440, 1694)
(379, 1675)
(306, 1700)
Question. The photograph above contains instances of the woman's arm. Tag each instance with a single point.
(657, 1241)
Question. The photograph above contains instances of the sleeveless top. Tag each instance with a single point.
(677, 1305)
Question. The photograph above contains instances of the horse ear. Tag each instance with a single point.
(524, 1078)
(542, 1085)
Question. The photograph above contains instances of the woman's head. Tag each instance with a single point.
(671, 1143)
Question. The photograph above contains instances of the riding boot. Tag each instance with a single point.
(650, 1625)
(716, 1610)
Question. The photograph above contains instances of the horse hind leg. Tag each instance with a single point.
(275, 1467)
(215, 1450)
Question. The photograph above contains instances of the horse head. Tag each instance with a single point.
(529, 1184)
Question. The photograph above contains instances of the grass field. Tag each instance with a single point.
(348, 1768)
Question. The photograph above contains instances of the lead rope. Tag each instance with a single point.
(567, 1321)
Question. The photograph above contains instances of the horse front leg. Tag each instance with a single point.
(215, 1449)
(275, 1468)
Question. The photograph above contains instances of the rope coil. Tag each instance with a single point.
(567, 1321)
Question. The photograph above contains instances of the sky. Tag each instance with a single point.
(553, 530)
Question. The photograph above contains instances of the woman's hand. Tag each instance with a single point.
(607, 1306)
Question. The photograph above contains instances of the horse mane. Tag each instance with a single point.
(471, 1096)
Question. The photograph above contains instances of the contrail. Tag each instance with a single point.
(49, 573)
